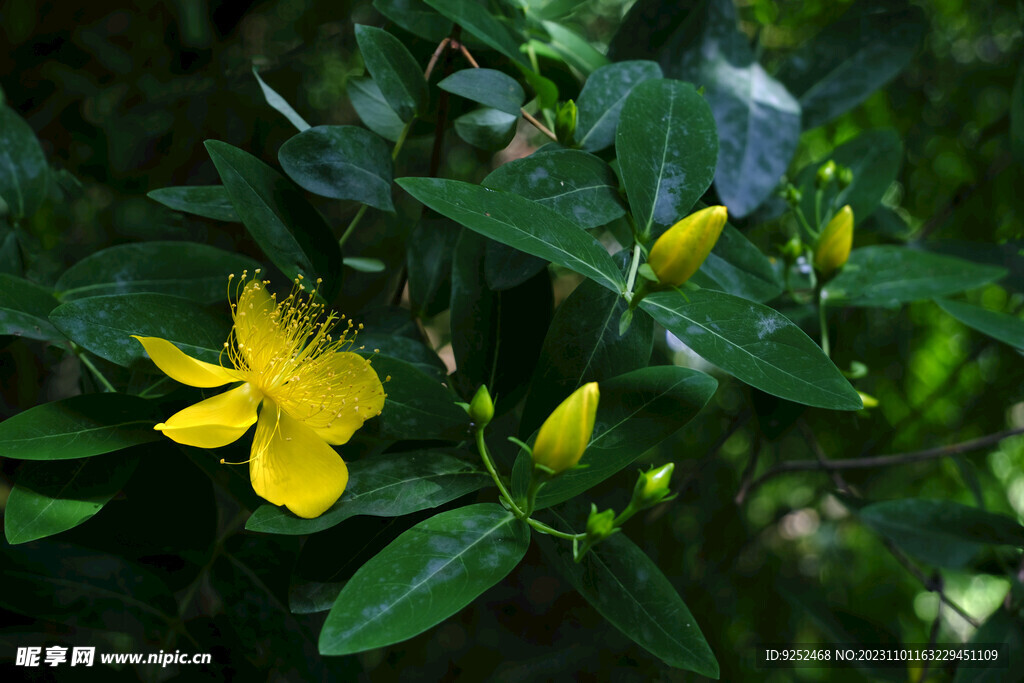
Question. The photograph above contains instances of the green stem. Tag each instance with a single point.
(818, 194)
(92, 368)
(401, 139)
(352, 226)
(798, 212)
(550, 531)
(633, 266)
(489, 464)
(145, 392)
(823, 323)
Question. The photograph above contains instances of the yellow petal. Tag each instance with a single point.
(350, 393)
(184, 368)
(255, 326)
(215, 422)
(292, 466)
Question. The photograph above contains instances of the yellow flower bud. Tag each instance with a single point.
(565, 434)
(678, 253)
(833, 248)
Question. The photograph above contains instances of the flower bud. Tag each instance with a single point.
(565, 434)
(652, 486)
(481, 408)
(565, 123)
(845, 177)
(600, 525)
(826, 172)
(678, 253)
(833, 248)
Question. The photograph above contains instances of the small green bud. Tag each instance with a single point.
(792, 195)
(868, 400)
(678, 253)
(793, 248)
(826, 174)
(652, 486)
(481, 408)
(600, 525)
(845, 177)
(565, 123)
(565, 434)
(833, 247)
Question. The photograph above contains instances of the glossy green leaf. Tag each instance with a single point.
(583, 345)
(289, 231)
(574, 48)
(25, 308)
(426, 575)
(384, 486)
(852, 58)
(475, 19)
(637, 411)
(488, 87)
(373, 110)
(416, 18)
(580, 186)
(545, 89)
(889, 276)
(395, 71)
(486, 128)
(417, 405)
(105, 324)
(940, 532)
(505, 267)
(755, 344)
(51, 497)
(629, 590)
(667, 148)
(735, 266)
(24, 173)
(186, 269)
(279, 103)
(405, 349)
(429, 257)
(341, 162)
(208, 201)
(78, 427)
(600, 102)
(1006, 328)
(519, 223)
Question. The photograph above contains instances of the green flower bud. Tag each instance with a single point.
(565, 434)
(833, 248)
(481, 408)
(565, 123)
(826, 174)
(792, 195)
(678, 253)
(600, 525)
(868, 400)
(652, 486)
(845, 177)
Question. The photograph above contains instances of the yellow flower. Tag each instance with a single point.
(835, 242)
(565, 434)
(678, 253)
(308, 392)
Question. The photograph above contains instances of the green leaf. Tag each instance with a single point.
(841, 66)
(78, 427)
(416, 18)
(486, 128)
(477, 20)
(1006, 328)
(105, 324)
(394, 70)
(208, 201)
(24, 173)
(1017, 117)
(279, 103)
(574, 48)
(373, 110)
(755, 344)
(519, 223)
(629, 590)
(637, 411)
(544, 88)
(51, 497)
(186, 269)
(600, 102)
(487, 87)
(735, 266)
(889, 276)
(409, 350)
(364, 265)
(25, 308)
(384, 486)
(341, 162)
(940, 532)
(429, 257)
(1001, 628)
(426, 575)
(667, 148)
(580, 186)
(583, 345)
(289, 231)
(417, 406)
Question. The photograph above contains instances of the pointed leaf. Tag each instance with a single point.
(486, 128)
(373, 109)
(279, 103)
(574, 48)
(600, 102)
(394, 70)
(477, 20)
(208, 201)
(416, 18)
(24, 173)
(25, 308)
(1006, 328)
(488, 87)
(735, 266)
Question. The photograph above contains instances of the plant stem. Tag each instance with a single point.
(634, 265)
(352, 226)
(78, 351)
(489, 464)
(822, 322)
(550, 531)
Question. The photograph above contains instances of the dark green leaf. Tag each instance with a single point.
(51, 497)
(394, 70)
(25, 308)
(429, 257)
(208, 201)
(735, 266)
(279, 103)
(373, 109)
(340, 162)
(544, 88)
(667, 148)
(889, 276)
(384, 486)
(488, 87)
(78, 427)
(600, 102)
(519, 223)
(416, 18)
(574, 48)
(417, 405)
(1004, 629)
(940, 532)
(628, 589)
(488, 129)
(403, 348)
(364, 265)
(1006, 328)
(755, 344)
(427, 574)
(289, 231)
(474, 18)
(186, 269)
(24, 174)
(105, 325)
(505, 267)
(1017, 117)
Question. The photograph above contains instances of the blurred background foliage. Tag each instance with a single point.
(122, 100)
